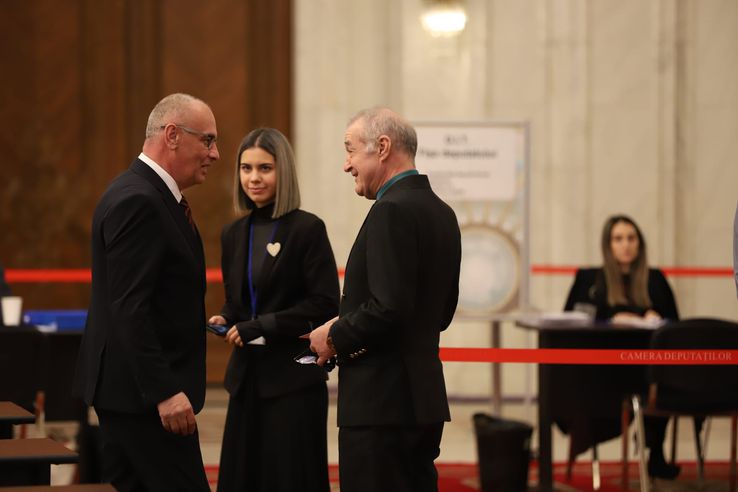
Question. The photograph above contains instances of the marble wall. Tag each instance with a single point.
(632, 105)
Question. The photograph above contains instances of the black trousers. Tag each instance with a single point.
(382, 458)
(139, 455)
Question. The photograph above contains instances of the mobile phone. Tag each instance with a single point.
(310, 357)
(219, 330)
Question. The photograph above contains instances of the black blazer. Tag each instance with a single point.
(589, 287)
(144, 340)
(400, 291)
(297, 291)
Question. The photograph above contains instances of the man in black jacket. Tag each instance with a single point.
(142, 358)
(400, 291)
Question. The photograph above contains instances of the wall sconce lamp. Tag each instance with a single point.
(443, 18)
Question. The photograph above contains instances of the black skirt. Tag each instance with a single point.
(275, 444)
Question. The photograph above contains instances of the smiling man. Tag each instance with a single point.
(142, 359)
(400, 291)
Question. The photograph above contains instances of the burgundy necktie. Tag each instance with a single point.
(188, 213)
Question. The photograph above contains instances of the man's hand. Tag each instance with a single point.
(177, 415)
(233, 337)
(319, 342)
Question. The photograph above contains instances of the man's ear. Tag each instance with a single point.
(384, 146)
(171, 136)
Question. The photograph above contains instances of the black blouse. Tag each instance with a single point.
(590, 288)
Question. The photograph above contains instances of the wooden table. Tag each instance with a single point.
(577, 335)
(27, 461)
(10, 413)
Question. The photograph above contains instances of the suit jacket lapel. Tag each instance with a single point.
(267, 265)
(193, 239)
(240, 264)
(359, 234)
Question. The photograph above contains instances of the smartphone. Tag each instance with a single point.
(219, 330)
(310, 357)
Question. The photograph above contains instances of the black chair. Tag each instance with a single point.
(693, 390)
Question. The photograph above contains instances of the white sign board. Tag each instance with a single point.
(469, 163)
(481, 170)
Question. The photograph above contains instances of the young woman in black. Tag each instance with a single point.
(280, 281)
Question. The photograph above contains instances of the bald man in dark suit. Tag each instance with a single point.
(142, 358)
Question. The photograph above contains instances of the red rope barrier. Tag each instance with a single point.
(591, 356)
(83, 275)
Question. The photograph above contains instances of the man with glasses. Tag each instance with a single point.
(142, 358)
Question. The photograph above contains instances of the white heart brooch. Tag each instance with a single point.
(273, 249)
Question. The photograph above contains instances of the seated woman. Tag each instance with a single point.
(625, 287)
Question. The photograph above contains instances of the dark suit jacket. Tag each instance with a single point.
(589, 287)
(145, 335)
(297, 291)
(400, 291)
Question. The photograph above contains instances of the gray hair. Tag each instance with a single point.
(169, 110)
(383, 121)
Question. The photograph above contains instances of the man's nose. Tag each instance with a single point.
(214, 154)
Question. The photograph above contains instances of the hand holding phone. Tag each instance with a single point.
(219, 330)
(310, 357)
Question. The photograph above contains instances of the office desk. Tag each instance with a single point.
(33, 361)
(587, 390)
(28, 461)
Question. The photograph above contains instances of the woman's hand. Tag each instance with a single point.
(625, 316)
(232, 335)
(652, 315)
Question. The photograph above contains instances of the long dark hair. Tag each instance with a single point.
(638, 288)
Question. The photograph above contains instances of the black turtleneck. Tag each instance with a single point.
(263, 227)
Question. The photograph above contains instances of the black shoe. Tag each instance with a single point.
(661, 469)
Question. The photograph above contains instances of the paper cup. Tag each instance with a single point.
(12, 307)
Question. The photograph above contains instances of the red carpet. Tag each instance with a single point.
(464, 477)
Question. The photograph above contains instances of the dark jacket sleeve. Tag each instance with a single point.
(230, 306)
(392, 267)
(661, 295)
(133, 266)
(579, 292)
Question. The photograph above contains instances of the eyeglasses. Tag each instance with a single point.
(207, 138)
